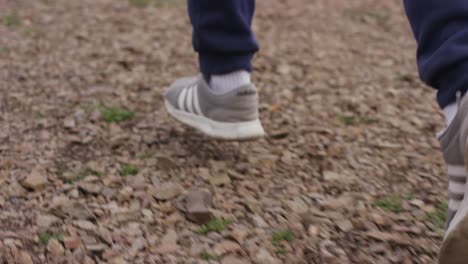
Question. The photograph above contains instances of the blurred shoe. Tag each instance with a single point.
(232, 115)
(453, 142)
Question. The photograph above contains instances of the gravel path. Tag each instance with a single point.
(92, 169)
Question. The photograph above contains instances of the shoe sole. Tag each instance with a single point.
(221, 130)
(454, 249)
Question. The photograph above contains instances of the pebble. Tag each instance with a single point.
(54, 248)
(168, 191)
(35, 181)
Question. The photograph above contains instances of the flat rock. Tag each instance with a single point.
(168, 243)
(90, 187)
(197, 206)
(297, 206)
(99, 247)
(46, 221)
(232, 259)
(85, 225)
(35, 181)
(167, 191)
(54, 248)
(345, 225)
(227, 246)
(263, 256)
(72, 242)
(24, 258)
(74, 210)
(220, 180)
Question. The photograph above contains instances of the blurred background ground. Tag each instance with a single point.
(92, 169)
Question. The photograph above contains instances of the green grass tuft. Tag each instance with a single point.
(11, 20)
(439, 217)
(207, 256)
(45, 237)
(390, 204)
(83, 173)
(280, 236)
(351, 120)
(114, 114)
(139, 3)
(4, 50)
(128, 169)
(216, 225)
(281, 251)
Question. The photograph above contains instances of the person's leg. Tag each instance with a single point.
(224, 40)
(222, 34)
(441, 30)
(222, 102)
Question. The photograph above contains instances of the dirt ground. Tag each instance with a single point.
(93, 170)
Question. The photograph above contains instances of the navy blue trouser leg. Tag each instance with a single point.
(441, 30)
(222, 34)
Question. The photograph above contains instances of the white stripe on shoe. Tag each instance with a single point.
(456, 171)
(189, 99)
(454, 205)
(196, 103)
(181, 99)
(456, 187)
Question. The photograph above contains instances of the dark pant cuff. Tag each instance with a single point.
(222, 64)
(454, 80)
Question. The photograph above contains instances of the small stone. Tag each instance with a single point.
(297, 205)
(46, 221)
(104, 234)
(24, 258)
(332, 176)
(239, 235)
(168, 191)
(197, 207)
(72, 242)
(85, 225)
(331, 253)
(54, 248)
(170, 237)
(96, 247)
(35, 181)
(417, 203)
(264, 256)
(138, 244)
(126, 193)
(164, 249)
(118, 260)
(74, 210)
(345, 225)
(110, 254)
(236, 175)
(90, 188)
(69, 123)
(232, 259)
(88, 260)
(168, 243)
(227, 246)
(220, 180)
(259, 222)
(313, 230)
(378, 248)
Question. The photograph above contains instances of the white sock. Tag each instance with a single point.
(227, 82)
(450, 111)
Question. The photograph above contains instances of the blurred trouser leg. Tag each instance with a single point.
(222, 34)
(441, 30)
